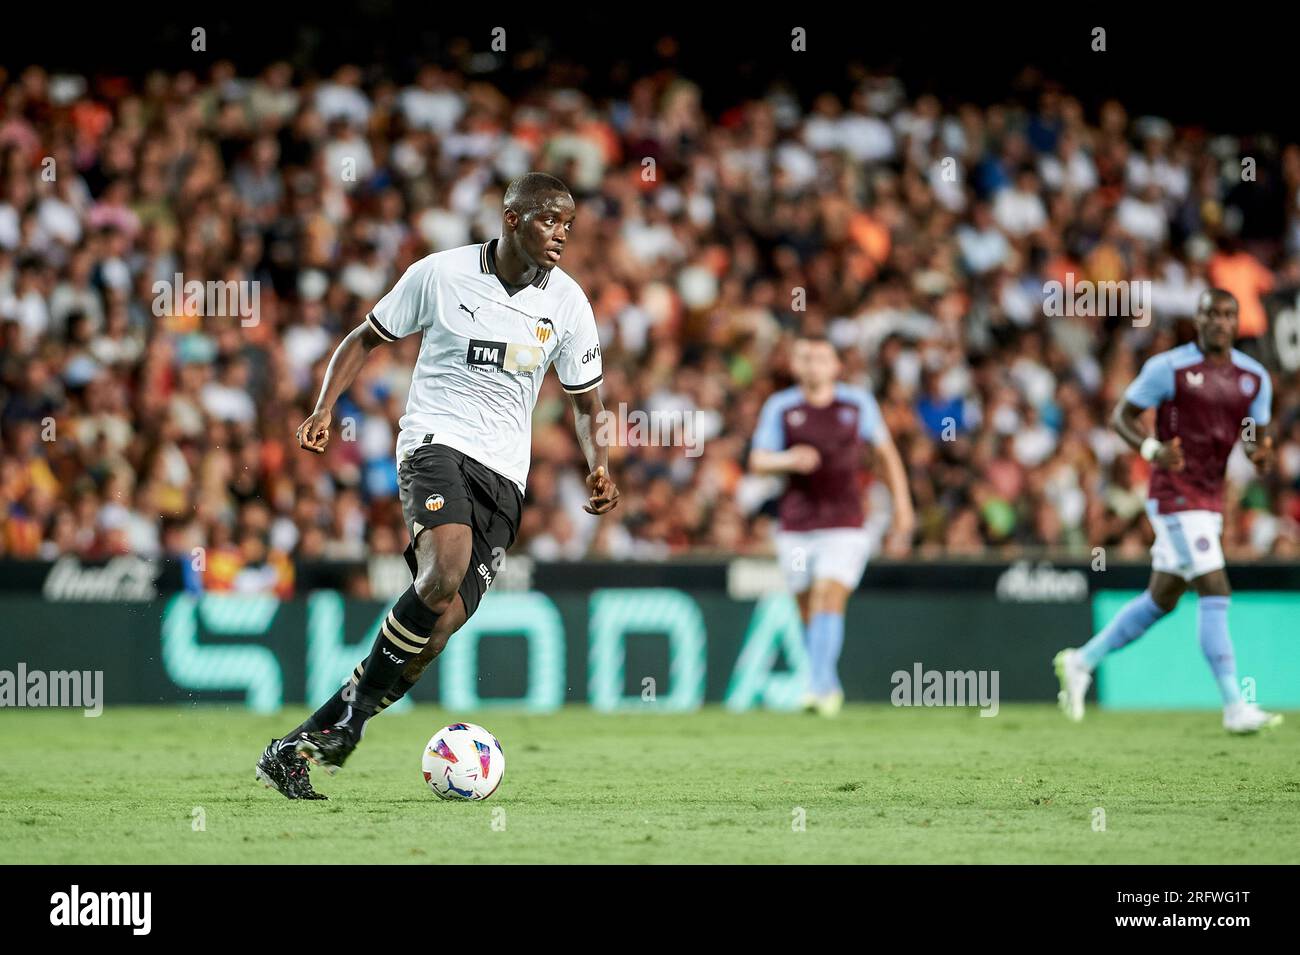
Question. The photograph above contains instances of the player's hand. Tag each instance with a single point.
(899, 542)
(604, 495)
(314, 433)
(1261, 453)
(1170, 455)
(804, 459)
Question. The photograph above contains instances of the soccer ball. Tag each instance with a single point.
(463, 761)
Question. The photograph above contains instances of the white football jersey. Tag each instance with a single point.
(484, 353)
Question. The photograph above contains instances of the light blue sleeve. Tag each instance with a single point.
(770, 433)
(871, 424)
(1154, 383)
(1261, 409)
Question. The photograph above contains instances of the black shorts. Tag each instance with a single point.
(439, 485)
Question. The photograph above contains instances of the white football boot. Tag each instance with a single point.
(1243, 717)
(831, 703)
(1075, 679)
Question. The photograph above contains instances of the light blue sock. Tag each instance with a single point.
(815, 643)
(1131, 622)
(1212, 626)
(808, 651)
(826, 635)
(835, 646)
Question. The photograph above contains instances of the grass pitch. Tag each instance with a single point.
(175, 785)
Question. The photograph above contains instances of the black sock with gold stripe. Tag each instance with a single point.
(395, 693)
(329, 712)
(333, 709)
(403, 634)
(337, 706)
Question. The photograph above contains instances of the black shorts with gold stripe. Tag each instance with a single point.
(440, 485)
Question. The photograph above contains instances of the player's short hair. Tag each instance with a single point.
(1210, 296)
(525, 193)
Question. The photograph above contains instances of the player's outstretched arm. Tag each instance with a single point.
(799, 459)
(1255, 439)
(1128, 425)
(314, 433)
(587, 406)
(904, 521)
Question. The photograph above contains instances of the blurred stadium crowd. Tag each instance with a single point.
(918, 236)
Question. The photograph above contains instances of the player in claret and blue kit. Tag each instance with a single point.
(817, 435)
(1207, 396)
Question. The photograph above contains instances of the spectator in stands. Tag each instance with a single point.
(133, 426)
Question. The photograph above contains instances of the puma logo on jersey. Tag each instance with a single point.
(471, 311)
(1195, 379)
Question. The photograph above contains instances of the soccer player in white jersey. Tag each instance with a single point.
(1205, 394)
(492, 318)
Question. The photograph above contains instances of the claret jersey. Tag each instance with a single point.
(1207, 405)
(484, 352)
(830, 496)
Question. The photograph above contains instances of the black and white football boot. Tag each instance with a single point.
(328, 747)
(283, 770)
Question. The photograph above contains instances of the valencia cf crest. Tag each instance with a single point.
(433, 502)
(544, 330)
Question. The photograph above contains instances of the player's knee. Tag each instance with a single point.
(437, 588)
(828, 597)
(1165, 600)
(817, 599)
(836, 602)
(1214, 585)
